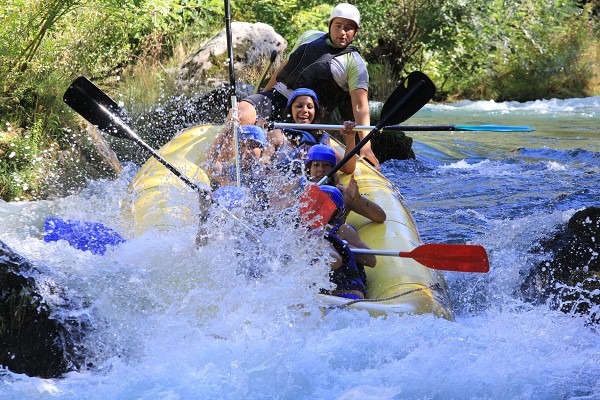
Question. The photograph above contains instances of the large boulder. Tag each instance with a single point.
(252, 46)
(34, 340)
(570, 279)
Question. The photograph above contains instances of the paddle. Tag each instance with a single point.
(95, 106)
(411, 128)
(316, 208)
(92, 236)
(87, 100)
(238, 179)
(447, 257)
(408, 98)
(264, 74)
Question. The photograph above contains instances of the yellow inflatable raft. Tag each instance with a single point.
(395, 285)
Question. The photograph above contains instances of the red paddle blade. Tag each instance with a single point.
(316, 208)
(451, 257)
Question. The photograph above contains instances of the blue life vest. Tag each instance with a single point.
(350, 275)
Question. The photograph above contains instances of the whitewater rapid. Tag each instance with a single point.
(175, 322)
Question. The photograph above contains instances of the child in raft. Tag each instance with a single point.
(319, 161)
(347, 269)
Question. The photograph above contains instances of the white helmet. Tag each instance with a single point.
(345, 10)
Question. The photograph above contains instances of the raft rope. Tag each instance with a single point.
(433, 286)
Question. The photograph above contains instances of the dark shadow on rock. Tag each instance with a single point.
(392, 145)
(33, 339)
(570, 280)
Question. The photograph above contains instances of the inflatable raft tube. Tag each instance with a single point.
(160, 200)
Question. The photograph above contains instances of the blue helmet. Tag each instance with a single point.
(253, 132)
(320, 152)
(336, 195)
(303, 92)
(230, 197)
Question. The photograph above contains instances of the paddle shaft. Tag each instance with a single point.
(410, 128)
(229, 47)
(88, 105)
(367, 137)
(447, 257)
(264, 74)
(238, 178)
(126, 132)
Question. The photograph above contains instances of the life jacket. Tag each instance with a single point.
(294, 160)
(350, 275)
(310, 66)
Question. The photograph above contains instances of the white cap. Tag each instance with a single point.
(345, 10)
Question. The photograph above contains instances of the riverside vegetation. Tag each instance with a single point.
(484, 49)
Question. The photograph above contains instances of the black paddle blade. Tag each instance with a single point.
(96, 107)
(409, 97)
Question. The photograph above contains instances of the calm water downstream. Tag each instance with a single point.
(176, 323)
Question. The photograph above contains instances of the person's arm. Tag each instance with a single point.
(328, 251)
(360, 111)
(334, 256)
(348, 133)
(218, 154)
(222, 149)
(347, 233)
(360, 204)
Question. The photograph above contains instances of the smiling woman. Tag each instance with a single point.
(304, 108)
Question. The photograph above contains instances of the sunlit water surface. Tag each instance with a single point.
(174, 322)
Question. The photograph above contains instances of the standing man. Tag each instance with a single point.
(326, 63)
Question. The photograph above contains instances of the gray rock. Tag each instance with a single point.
(252, 45)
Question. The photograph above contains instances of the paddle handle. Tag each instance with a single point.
(116, 126)
(411, 128)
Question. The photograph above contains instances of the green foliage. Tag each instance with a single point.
(501, 50)
(288, 18)
(393, 32)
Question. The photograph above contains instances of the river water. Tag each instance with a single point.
(172, 322)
